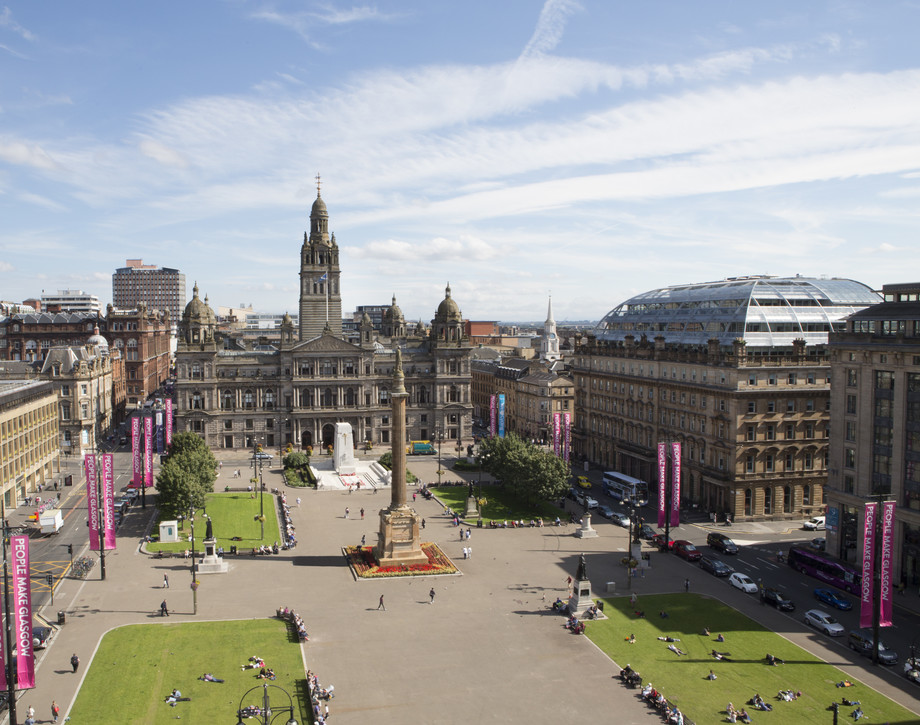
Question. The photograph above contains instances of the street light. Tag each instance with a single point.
(191, 519)
(264, 714)
(256, 451)
(8, 616)
(440, 437)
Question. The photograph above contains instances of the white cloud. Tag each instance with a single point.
(25, 154)
(6, 266)
(465, 248)
(550, 26)
(6, 21)
(41, 201)
(162, 154)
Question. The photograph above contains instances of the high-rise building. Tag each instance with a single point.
(70, 300)
(875, 417)
(160, 288)
(235, 392)
(736, 371)
(29, 450)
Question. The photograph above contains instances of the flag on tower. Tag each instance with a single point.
(323, 278)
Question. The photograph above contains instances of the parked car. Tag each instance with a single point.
(586, 500)
(823, 622)
(41, 636)
(715, 566)
(646, 532)
(829, 596)
(819, 544)
(658, 540)
(686, 550)
(605, 511)
(720, 542)
(264, 456)
(743, 582)
(775, 598)
(912, 669)
(863, 642)
(815, 524)
(620, 519)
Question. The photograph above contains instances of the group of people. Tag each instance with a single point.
(655, 699)
(737, 715)
(319, 698)
(573, 625)
(289, 615)
(175, 696)
(290, 539)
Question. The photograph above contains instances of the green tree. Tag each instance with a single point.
(296, 460)
(531, 473)
(187, 474)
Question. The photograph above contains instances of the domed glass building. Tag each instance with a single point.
(768, 313)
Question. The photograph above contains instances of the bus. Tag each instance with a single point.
(626, 488)
(821, 566)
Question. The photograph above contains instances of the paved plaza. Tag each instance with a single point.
(486, 650)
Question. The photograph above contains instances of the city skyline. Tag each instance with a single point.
(587, 150)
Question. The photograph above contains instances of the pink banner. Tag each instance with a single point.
(887, 546)
(22, 611)
(868, 567)
(556, 433)
(567, 444)
(675, 492)
(662, 482)
(136, 453)
(148, 452)
(169, 423)
(108, 500)
(493, 427)
(92, 500)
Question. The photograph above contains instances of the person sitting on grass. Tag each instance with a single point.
(857, 713)
(711, 675)
(743, 716)
(631, 639)
(844, 683)
(663, 614)
(720, 638)
(787, 695)
(706, 631)
(771, 660)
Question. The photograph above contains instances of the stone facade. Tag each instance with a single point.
(234, 393)
(29, 437)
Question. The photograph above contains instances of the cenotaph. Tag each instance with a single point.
(398, 541)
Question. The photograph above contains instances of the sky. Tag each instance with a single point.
(587, 150)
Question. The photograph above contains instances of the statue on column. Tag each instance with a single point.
(582, 574)
(209, 533)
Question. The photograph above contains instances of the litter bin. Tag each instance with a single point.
(233, 550)
(62, 617)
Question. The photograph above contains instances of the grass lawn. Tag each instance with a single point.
(137, 666)
(501, 504)
(682, 679)
(232, 514)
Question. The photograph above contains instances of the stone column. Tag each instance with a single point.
(398, 444)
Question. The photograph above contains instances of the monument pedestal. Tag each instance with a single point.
(472, 508)
(585, 532)
(582, 597)
(399, 538)
(212, 563)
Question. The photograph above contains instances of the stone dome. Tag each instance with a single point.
(198, 311)
(393, 314)
(448, 309)
(319, 207)
(98, 341)
(287, 320)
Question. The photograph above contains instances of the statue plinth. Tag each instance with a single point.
(399, 538)
(212, 563)
(472, 508)
(586, 532)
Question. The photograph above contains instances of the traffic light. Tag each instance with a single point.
(50, 579)
(70, 549)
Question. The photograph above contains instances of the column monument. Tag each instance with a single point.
(398, 541)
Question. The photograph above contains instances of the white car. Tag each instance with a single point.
(823, 622)
(586, 500)
(743, 582)
(815, 524)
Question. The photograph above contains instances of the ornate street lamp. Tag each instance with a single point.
(264, 714)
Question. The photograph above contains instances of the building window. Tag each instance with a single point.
(248, 400)
(249, 424)
(849, 457)
(768, 463)
(752, 406)
(790, 431)
(226, 400)
(849, 484)
(771, 406)
(197, 402)
(197, 426)
(748, 501)
(851, 378)
(787, 500)
(768, 500)
(270, 399)
(790, 462)
(809, 405)
(851, 404)
(809, 460)
(771, 380)
(752, 379)
(792, 378)
(771, 432)
(228, 425)
(790, 406)
(749, 463)
(806, 495)
(65, 411)
(228, 441)
(751, 433)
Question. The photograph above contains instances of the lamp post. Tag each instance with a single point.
(265, 715)
(440, 437)
(191, 519)
(7, 616)
(257, 460)
(479, 493)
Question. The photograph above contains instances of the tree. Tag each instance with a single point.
(531, 473)
(296, 460)
(187, 474)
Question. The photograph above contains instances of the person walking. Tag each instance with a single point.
(633, 598)
(469, 552)
(298, 502)
(55, 711)
(381, 605)
(166, 581)
(362, 514)
(164, 610)
(686, 585)
(74, 661)
(346, 512)
(431, 596)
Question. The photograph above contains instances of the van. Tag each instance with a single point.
(861, 641)
(720, 542)
(815, 524)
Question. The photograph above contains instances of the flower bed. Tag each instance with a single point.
(363, 562)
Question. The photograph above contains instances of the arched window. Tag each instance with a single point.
(306, 398)
(226, 400)
(350, 397)
(748, 501)
(328, 398)
(806, 495)
(452, 394)
(132, 349)
(196, 402)
(383, 396)
(269, 399)
(248, 400)
(768, 500)
(787, 500)
(65, 411)
(196, 371)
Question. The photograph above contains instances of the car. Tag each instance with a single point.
(819, 544)
(720, 542)
(658, 540)
(743, 582)
(828, 596)
(586, 500)
(775, 598)
(823, 622)
(583, 482)
(815, 524)
(715, 566)
(912, 669)
(605, 511)
(620, 519)
(123, 440)
(686, 550)
(264, 456)
(41, 636)
(646, 532)
(862, 641)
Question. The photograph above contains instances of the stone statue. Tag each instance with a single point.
(471, 489)
(209, 534)
(582, 574)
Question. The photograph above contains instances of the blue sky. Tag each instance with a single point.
(591, 149)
